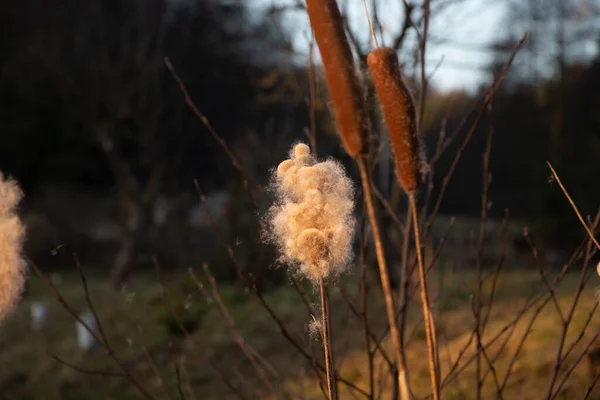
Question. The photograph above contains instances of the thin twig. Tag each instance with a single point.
(582, 281)
(574, 365)
(496, 273)
(157, 374)
(178, 376)
(85, 370)
(244, 279)
(359, 315)
(303, 296)
(486, 180)
(190, 337)
(540, 300)
(235, 331)
(591, 387)
(481, 352)
(423, 47)
(188, 100)
(542, 273)
(312, 85)
(488, 98)
(566, 322)
(109, 351)
(585, 225)
(89, 301)
(286, 333)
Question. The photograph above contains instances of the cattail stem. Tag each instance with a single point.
(428, 318)
(385, 281)
(373, 36)
(327, 341)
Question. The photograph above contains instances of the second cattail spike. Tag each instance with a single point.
(399, 113)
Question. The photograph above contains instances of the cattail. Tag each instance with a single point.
(399, 113)
(312, 222)
(344, 87)
(12, 233)
(400, 118)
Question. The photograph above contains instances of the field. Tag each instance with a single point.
(146, 338)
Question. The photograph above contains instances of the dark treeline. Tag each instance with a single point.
(85, 82)
(86, 102)
(552, 120)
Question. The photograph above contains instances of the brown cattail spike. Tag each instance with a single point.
(344, 87)
(399, 112)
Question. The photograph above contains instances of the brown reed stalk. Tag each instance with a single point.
(427, 315)
(385, 282)
(363, 304)
(400, 118)
(344, 88)
(327, 340)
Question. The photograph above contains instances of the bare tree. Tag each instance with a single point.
(104, 60)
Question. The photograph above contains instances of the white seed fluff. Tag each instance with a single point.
(312, 222)
(12, 234)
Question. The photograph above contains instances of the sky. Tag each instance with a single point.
(460, 35)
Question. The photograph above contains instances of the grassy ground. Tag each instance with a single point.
(138, 322)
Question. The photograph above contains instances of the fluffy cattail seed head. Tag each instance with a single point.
(312, 221)
(12, 233)
(344, 88)
(400, 117)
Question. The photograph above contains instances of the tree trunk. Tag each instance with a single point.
(136, 203)
(125, 258)
(134, 240)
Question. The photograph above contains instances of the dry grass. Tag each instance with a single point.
(531, 371)
(29, 354)
(30, 366)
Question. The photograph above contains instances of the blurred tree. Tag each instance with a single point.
(545, 95)
(86, 96)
